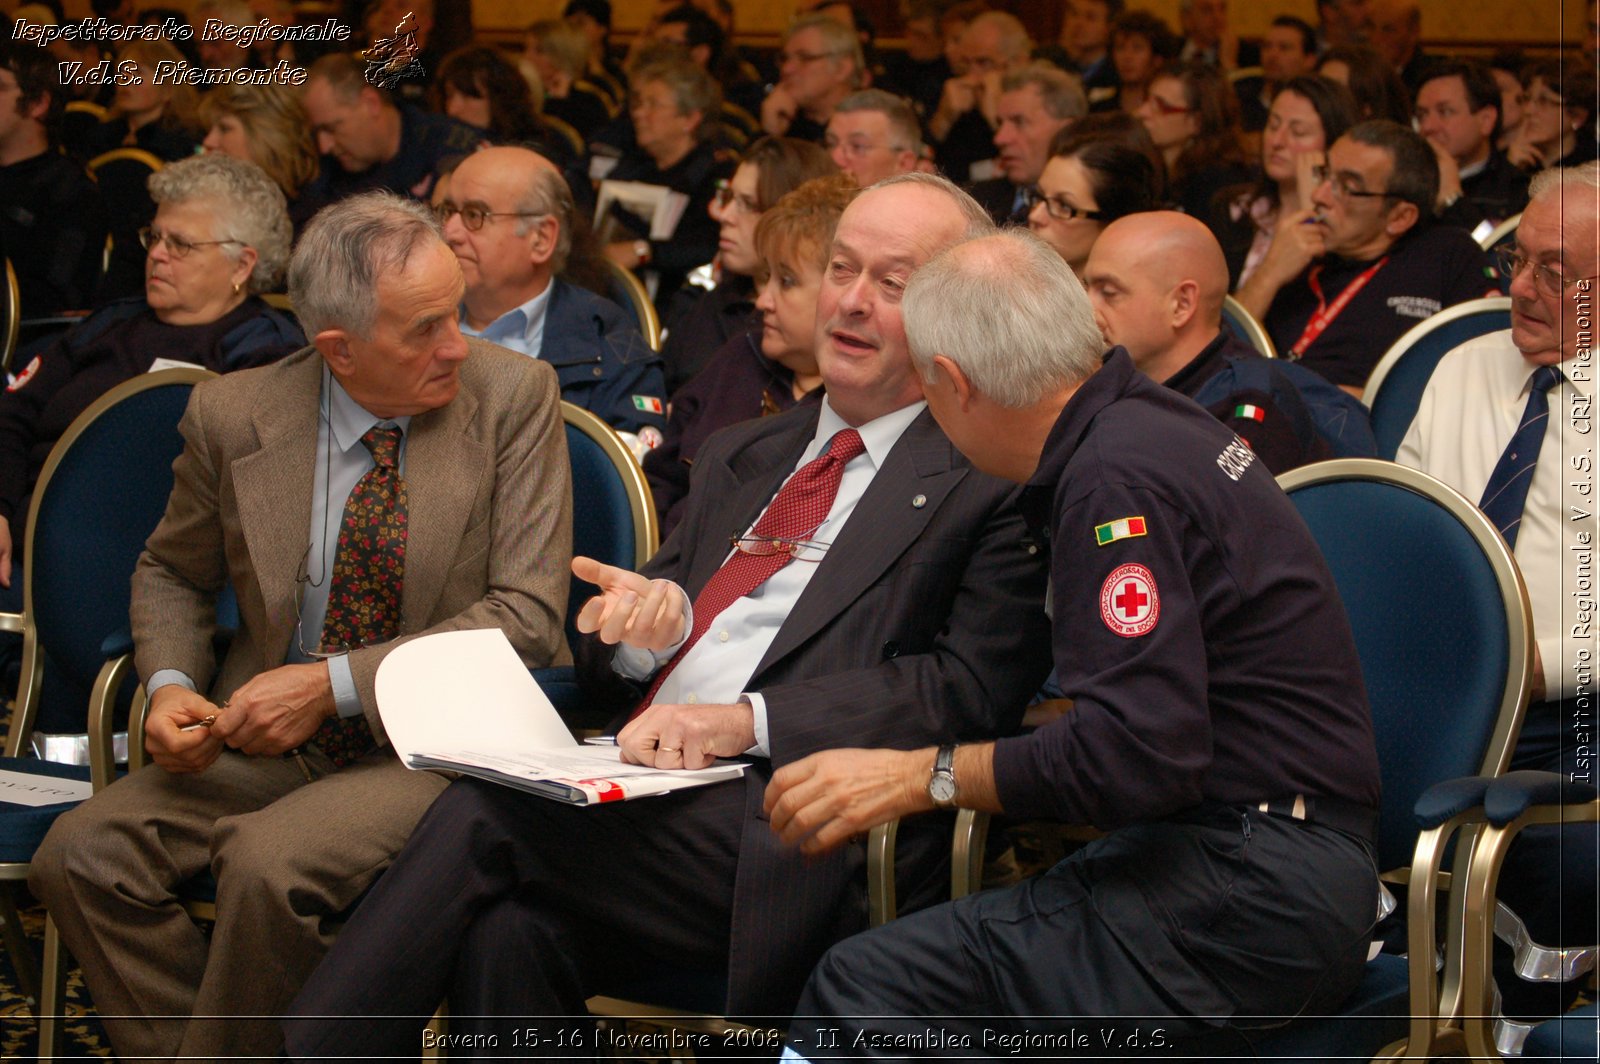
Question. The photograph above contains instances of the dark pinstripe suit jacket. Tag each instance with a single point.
(923, 624)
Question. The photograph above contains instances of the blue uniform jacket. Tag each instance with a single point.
(604, 365)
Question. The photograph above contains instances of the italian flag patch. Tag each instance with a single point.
(1122, 528)
(1247, 410)
(648, 403)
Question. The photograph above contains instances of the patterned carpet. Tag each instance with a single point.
(82, 1038)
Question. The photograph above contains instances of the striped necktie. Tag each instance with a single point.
(1507, 491)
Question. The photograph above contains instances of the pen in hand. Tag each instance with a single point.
(203, 722)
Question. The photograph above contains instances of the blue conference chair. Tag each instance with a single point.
(100, 494)
(1395, 388)
(1243, 324)
(613, 520)
(1444, 633)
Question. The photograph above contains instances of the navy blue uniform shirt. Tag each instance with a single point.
(1194, 624)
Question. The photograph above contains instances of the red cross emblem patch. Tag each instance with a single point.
(1129, 603)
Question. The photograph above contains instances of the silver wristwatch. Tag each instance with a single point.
(942, 787)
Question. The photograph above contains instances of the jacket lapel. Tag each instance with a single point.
(273, 485)
(885, 523)
(444, 467)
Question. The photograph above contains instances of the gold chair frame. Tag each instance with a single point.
(639, 301)
(1233, 310)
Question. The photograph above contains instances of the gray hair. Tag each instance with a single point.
(333, 277)
(1060, 92)
(905, 132)
(549, 193)
(978, 221)
(839, 40)
(1585, 177)
(1007, 309)
(1013, 35)
(246, 206)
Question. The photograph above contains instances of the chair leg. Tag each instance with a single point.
(433, 1048)
(53, 998)
(17, 945)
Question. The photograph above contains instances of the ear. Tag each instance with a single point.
(334, 347)
(38, 108)
(1486, 117)
(371, 100)
(242, 269)
(545, 236)
(906, 161)
(949, 375)
(1184, 302)
(1402, 216)
(701, 54)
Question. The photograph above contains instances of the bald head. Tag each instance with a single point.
(523, 211)
(1157, 281)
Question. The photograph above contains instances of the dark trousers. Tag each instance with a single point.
(1549, 874)
(517, 908)
(1155, 936)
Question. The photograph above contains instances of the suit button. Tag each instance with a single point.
(598, 372)
(891, 649)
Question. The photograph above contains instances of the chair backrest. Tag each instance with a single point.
(566, 132)
(11, 321)
(628, 290)
(101, 493)
(1243, 324)
(613, 513)
(1503, 233)
(1395, 388)
(1441, 620)
(122, 176)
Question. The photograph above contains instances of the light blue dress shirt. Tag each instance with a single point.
(520, 328)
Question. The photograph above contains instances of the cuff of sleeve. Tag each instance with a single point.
(345, 698)
(166, 678)
(758, 710)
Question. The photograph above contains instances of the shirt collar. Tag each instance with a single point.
(1518, 375)
(348, 420)
(524, 321)
(879, 435)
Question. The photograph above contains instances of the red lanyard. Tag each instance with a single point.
(1325, 313)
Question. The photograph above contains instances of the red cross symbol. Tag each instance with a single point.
(1129, 601)
(1132, 600)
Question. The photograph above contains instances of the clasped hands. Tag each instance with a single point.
(270, 714)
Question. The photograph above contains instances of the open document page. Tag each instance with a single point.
(463, 701)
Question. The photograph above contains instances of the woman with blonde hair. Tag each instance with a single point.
(156, 116)
(265, 125)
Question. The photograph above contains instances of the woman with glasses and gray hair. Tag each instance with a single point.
(220, 236)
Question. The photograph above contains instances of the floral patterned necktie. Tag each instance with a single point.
(368, 579)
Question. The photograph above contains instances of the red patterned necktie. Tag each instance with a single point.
(796, 512)
(368, 578)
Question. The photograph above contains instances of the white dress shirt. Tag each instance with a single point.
(717, 668)
(1469, 412)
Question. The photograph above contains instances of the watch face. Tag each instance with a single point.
(942, 787)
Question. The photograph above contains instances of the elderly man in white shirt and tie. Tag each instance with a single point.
(1506, 420)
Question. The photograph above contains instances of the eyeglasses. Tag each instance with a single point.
(726, 197)
(806, 57)
(1056, 206)
(473, 216)
(1166, 108)
(855, 149)
(801, 550)
(1546, 279)
(177, 246)
(1344, 187)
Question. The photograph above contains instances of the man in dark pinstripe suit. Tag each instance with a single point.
(910, 615)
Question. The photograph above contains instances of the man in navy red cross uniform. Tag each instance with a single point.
(1218, 730)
